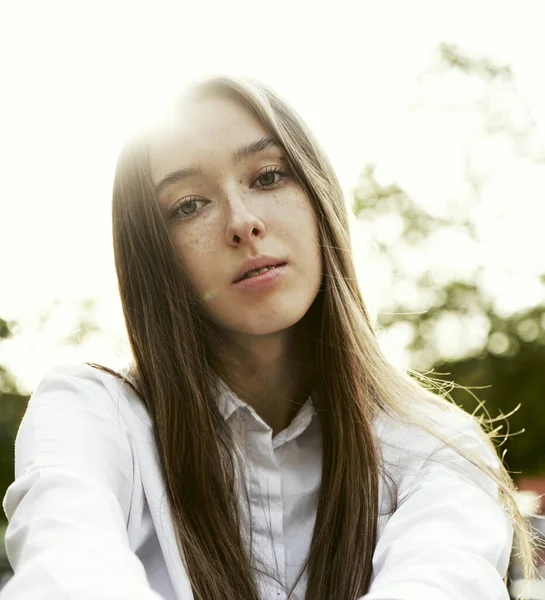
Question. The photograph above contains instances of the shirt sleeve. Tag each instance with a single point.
(449, 538)
(68, 507)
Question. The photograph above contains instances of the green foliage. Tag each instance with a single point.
(513, 381)
(508, 364)
(5, 329)
(505, 362)
(12, 407)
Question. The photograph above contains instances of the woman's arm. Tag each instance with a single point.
(69, 504)
(449, 538)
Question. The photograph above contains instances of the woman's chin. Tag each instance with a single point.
(262, 327)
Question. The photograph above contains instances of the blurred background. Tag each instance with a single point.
(432, 113)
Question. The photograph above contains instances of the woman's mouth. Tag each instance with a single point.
(261, 278)
(255, 272)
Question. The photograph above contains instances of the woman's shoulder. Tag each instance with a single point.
(406, 446)
(81, 396)
(86, 384)
(83, 373)
(79, 420)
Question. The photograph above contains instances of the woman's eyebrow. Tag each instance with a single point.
(244, 152)
(176, 177)
(241, 154)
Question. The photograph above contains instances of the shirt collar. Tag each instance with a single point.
(228, 403)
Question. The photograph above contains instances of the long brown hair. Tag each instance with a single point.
(174, 373)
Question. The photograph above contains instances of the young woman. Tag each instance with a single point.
(260, 445)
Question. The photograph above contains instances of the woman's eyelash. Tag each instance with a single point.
(177, 213)
(268, 171)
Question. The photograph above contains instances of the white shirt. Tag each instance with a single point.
(89, 520)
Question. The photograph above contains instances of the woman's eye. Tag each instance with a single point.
(267, 179)
(186, 208)
(270, 178)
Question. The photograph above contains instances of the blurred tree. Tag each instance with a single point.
(12, 407)
(451, 321)
(515, 380)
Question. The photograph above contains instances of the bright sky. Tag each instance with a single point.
(77, 77)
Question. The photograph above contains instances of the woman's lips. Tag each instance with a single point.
(262, 280)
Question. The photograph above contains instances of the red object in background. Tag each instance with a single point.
(534, 484)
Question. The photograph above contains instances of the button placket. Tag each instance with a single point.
(265, 489)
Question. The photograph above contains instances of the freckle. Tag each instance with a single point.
(240, 181)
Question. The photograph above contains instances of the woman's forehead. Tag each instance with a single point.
(202, 130)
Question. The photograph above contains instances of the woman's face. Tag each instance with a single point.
(226, 203)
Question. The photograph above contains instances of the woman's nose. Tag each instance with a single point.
(243, 224)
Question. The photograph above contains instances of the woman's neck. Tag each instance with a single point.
(273, 374)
